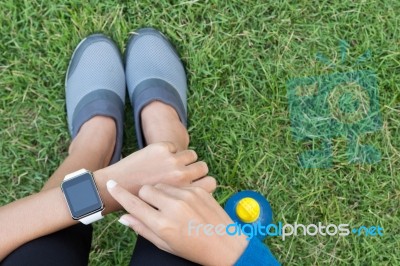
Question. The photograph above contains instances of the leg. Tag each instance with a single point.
(70, 246)
(157, 88)
(160, 122)
(95, 105)
(91, 149)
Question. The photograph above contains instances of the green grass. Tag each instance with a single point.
(239, 56)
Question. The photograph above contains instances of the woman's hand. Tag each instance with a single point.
(157, 163)
(187, 222)
(160, 163)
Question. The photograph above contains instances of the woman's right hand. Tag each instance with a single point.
(157, 163)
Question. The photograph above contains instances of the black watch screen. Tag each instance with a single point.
(82, 195)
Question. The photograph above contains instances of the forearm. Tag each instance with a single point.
(47, 212)
(31, 217)
(43, 213)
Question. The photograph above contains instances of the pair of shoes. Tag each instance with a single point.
(97, 78)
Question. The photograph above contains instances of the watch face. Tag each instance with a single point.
(82, 196)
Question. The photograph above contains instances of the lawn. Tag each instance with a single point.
(239, 57)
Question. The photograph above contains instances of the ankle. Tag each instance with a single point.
(96, 138)
(160, 122)
(155, 111)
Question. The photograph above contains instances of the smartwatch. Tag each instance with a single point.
(82, 196)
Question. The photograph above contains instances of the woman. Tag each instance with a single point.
(39, 229)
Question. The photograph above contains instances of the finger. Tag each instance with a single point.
(143, 230)
(206, 199)
(196, 170)
(154, 196)
(208, 183)
(187, 194)
(172, 191)
(195, 197)
(186, 157)
(132, 204)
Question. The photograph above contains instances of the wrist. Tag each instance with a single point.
(112, 172)
(239, 245)
(101, 177)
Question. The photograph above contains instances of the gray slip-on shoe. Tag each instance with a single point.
(95, 85)
(154, 72)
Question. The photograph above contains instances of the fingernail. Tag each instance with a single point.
(123, 221)
(111, 183)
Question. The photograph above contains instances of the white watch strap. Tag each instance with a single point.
(76, 173)
(93, 217)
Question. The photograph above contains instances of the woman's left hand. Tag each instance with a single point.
(187, 222)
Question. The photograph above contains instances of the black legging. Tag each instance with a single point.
(71, 247)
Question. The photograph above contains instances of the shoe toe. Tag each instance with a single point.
(95, 64)
(150, 55)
